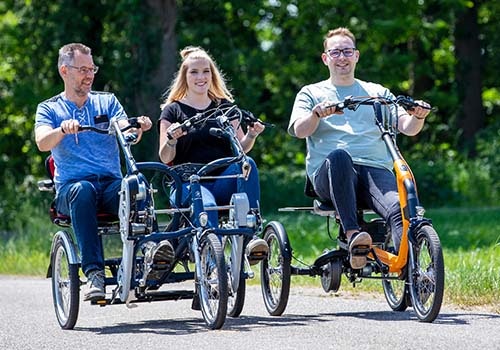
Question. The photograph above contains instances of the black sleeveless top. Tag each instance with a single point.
(198, 146)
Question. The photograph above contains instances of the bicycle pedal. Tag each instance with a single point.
(360, 250)
(257, 257)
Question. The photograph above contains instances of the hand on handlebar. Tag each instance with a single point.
(255, 129)
(420, 110)
(144, 122)
(70, 126)
(325, 109)
(175, 131)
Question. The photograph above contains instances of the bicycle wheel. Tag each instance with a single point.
(213, 283)
(233, 252)
(426, 274)
(275, 270)
(65, 286)
(395, 287)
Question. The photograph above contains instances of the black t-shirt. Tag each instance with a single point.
(198, 146)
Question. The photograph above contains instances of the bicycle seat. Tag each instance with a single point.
(103, 219)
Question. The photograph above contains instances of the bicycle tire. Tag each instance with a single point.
(275, 271)
(213, 284)
(65, 286)
(426, 274)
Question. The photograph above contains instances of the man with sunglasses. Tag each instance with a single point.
(87, 174)
(347, 162)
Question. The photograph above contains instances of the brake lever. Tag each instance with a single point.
(346, 103)
(251, 119)
(409, 104)
(187, 125)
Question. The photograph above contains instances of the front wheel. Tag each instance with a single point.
(426, 274)
(65, 286)
(213, 283)
(275, 269)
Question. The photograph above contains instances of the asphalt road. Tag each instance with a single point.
(312, 320)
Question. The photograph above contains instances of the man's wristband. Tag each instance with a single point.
(317, 114)
(62, 130)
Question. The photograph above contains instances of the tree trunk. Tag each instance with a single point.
(148, 96)
(471, 117)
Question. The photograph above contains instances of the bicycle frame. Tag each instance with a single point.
(412, 277)
(243, 225)
(411, 211)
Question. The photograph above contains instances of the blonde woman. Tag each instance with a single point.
(200, 87)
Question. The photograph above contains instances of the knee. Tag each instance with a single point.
(254, 172)
(82, 191)
(340, 157)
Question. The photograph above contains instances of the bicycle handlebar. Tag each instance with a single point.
(133, 124)
(352, 103)
(222, 115)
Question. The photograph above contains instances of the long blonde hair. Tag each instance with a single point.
(178, 89)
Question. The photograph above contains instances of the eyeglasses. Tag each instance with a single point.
(85, 70)
(335, 53)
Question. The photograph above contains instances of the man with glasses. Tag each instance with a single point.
(347, 162)
(87, 174)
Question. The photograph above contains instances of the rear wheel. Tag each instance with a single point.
(395, 287)
(213, 283)
(276, 269)
(65, 286)
(236, 276)
(332, 276)
(426, 274)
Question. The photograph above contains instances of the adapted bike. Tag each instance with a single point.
(412, 276)
(142, 225)
(238, 223)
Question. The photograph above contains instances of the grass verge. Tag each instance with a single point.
(470, 239)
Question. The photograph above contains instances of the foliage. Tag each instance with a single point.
(268, 50)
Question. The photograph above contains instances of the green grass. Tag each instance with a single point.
(470, 239)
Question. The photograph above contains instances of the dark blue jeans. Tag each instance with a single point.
(82, 201)
(349, 185)
(219, 192)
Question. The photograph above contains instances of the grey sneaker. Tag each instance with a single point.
(96, 289)
(359, 246)
(257, 250)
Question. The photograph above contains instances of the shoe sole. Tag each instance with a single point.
(162, 260)
(257, 254)
(94, 297)
(358, 250)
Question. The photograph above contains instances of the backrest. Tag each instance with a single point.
(50, 166)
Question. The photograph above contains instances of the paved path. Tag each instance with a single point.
(312, 320)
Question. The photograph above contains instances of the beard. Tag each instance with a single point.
(82, 90)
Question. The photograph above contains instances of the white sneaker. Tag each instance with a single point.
(256, 250)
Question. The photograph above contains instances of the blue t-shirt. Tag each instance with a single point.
(354, 131)
(86, 154)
